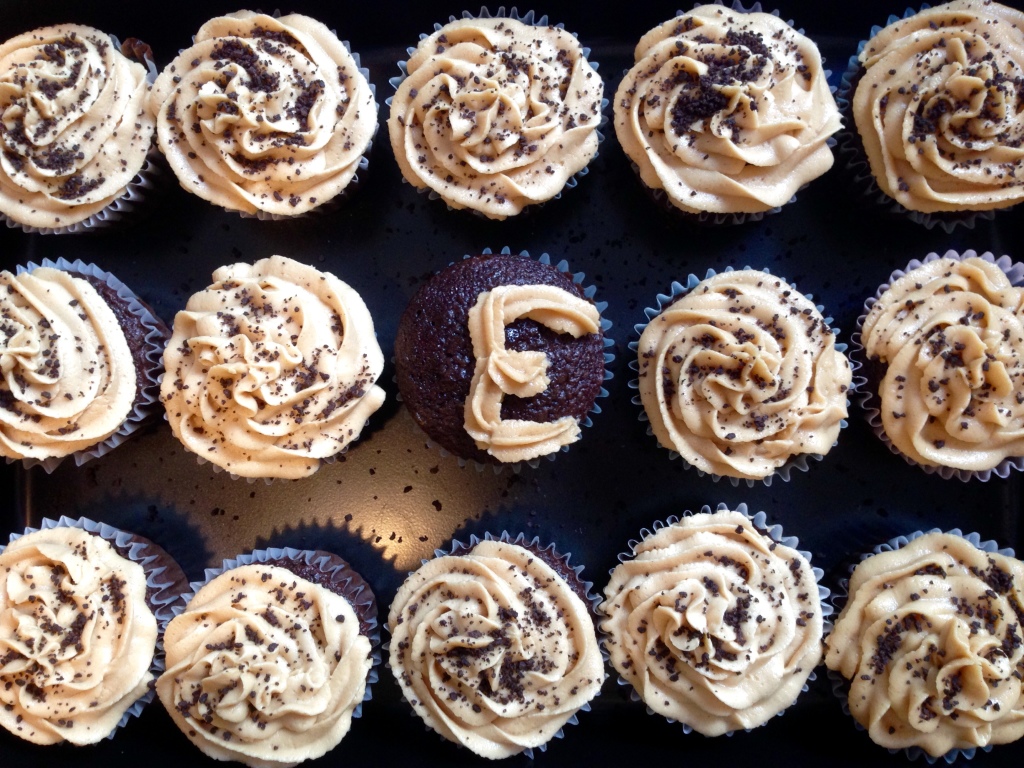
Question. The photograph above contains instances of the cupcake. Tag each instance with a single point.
(929, 644)
(271, 658)
(81, 359)
(943, 347)
(714, 622)
(496, 114)
(741, 375)
(271, 369)
(81, 608)
(725, 113)
(270, 117)
(500, 358)
(493, 645)
(935, 103)
(76, 130)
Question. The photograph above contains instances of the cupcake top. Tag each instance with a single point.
(264, 114)
(271, 369)
(950, 335)
(726, 111)
(500, 358)
(69, 376)
(76, 636)
(742, 373)
(264, 667)
(714, 624)
(75, 126)
(930, 640)
(938, 110)
(496, 114)
(493, 648)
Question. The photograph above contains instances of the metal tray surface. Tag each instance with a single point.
(392, 500)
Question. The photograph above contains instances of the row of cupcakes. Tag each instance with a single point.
(501, 359)
(726, 114)
(714, 620)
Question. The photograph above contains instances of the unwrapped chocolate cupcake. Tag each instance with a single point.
(494, 646)
(267, 116)
(75, 129)
(726, 113)
(271, 369)
(495, 114)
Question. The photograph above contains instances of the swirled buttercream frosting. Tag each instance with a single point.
(947, 340)
(727, 112)
(493, 648)
(69, 379)
(271, 369)
(74, 130)
(264, 114)
(264, 667)
(714, 624)
(76, 637)
(742, 373)
(938, 108)
(930, 641)
(495, 114)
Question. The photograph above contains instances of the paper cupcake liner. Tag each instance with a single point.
(774, 532)
(560, 563)
(796, 463)
(588, 291)
(867, 395)
(852, 150)
(355, 590)
(531, 19)
(165, 582)
(840, 685)
(709, 218)
(147, 400)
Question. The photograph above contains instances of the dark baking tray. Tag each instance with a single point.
(392, 500)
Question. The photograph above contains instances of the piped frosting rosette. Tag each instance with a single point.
(82, 605)
(939, 123)
(266, 116)
(715, 620)
(726, 113)
(942, 343)
(74, 130)
(272, 657)
(494, 114)
(741, 375)
(271, 369)
(926, 653)
(494, 646)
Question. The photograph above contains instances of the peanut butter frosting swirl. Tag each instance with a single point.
(950, 334)
(493, 649)
(727, 112)
(264, 667)
(74, 129)
(714, 624)
(938, 107)
(500, 371)
(263, 114)
(742, 373)
(76, 637)
(496, 114)
(931, 643)
(271, 369)
(69, 380)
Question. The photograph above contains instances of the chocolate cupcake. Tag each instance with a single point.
(500, 358)
(84, 356)
(272, 657)
(500, 674)
(82, 607)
